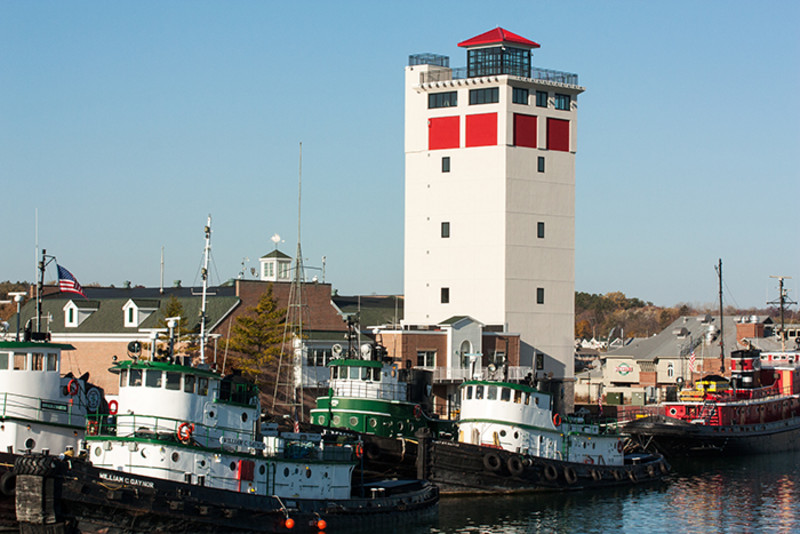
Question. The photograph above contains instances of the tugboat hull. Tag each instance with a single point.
(462, 468)
(74, 496)
(674, 437)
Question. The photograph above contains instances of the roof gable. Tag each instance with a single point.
(498, 36)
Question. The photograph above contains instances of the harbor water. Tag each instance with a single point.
(744, 494)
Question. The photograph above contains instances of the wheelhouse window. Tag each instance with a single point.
(37, 361)
(135, 377)
(52, 362)
(173, 381)
(20, 361)
(202, 386)
(123, 378)
(519, 95)
(3, 361)
(562, 102)
(505, 394)
(491, 393)
(478, 392)
(468, 392)
(376, 374)
(490, 95)
(517, 397)
(188, 383)
(443, 100)
(541, 99)
(153, 378)
(365, 374)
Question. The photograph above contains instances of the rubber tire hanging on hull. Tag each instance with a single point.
(8, 484)
(491, 462)
(550, 472)
(515, 465)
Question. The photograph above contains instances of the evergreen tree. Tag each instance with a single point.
(184, 341)
(257, 336)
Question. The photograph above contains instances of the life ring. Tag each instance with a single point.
(73, 387)
(113, 407)
(588, 460)
(8, 484)
(491, 462)
(569, 475)
(359, 449)
(515, 465)
(596, 475)
(92, 428)
(550, 472)
(417, 411)
(557, 420)
(185, 431)
(620, 446)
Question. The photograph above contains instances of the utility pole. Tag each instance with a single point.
(782, 301)
(721, 330)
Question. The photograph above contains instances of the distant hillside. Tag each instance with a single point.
(596, 315)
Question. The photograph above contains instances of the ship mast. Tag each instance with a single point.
(721, 331)
(782, 301)
(204, 301)
(293, 329)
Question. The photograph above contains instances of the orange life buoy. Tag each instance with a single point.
(113, 407)
(557, 420)
(620, 446)
(359, 450)
(92, 428)
(185, 432)
(417, 411)
(73, 387)
(589, 460)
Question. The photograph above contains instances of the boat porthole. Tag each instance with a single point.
(516, 435)
(286, 471)
(175, 456)
(373, 422)
(30, 443)
(212, 414)
(262, 469)
(673, 411)
(308, 472)
(399, 425)
(353, 421)
(321, 419)
(98, 451)
(233, 466)
(143, 453)
(202, 463)
(336, 420)
(244, 417)
(325, 474)
(503, 433)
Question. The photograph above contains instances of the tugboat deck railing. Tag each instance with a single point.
(16, 406)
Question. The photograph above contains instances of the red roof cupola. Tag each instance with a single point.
(498, 36)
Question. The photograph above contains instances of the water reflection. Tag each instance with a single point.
(751, 494)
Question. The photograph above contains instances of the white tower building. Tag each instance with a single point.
(490, 196)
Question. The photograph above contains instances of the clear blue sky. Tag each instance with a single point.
(127, 123)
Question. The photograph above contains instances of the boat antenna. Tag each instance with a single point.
(782, 301)
(204, 273)
(718, 268)
(46, 260)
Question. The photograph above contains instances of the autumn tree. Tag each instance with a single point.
(183, 333)
(256, 336)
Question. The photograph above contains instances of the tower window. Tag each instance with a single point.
(445, 229)
(490, 95)
(540, 164)
(446, 164)
(443, 100)
(445, 295)
(520, 96)
(541, 99)
(540, 230)
(562, 102)
(539, 295)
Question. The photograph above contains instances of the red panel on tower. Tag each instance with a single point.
(443, 133)
(482, 129)
(558, 135)
(524, 130)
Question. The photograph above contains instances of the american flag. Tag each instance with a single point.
(692, 362)
(68, 283)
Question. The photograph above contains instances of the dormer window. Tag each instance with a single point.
(77, 312)
(275, 266)
(135, 311)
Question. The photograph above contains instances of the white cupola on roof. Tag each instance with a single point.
(275, 267)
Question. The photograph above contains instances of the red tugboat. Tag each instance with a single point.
(756, 411)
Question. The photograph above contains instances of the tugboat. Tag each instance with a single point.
(40, 411)
(756, 411)
(509, 439)
(184, 448)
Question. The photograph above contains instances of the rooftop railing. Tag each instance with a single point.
(460, 73)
